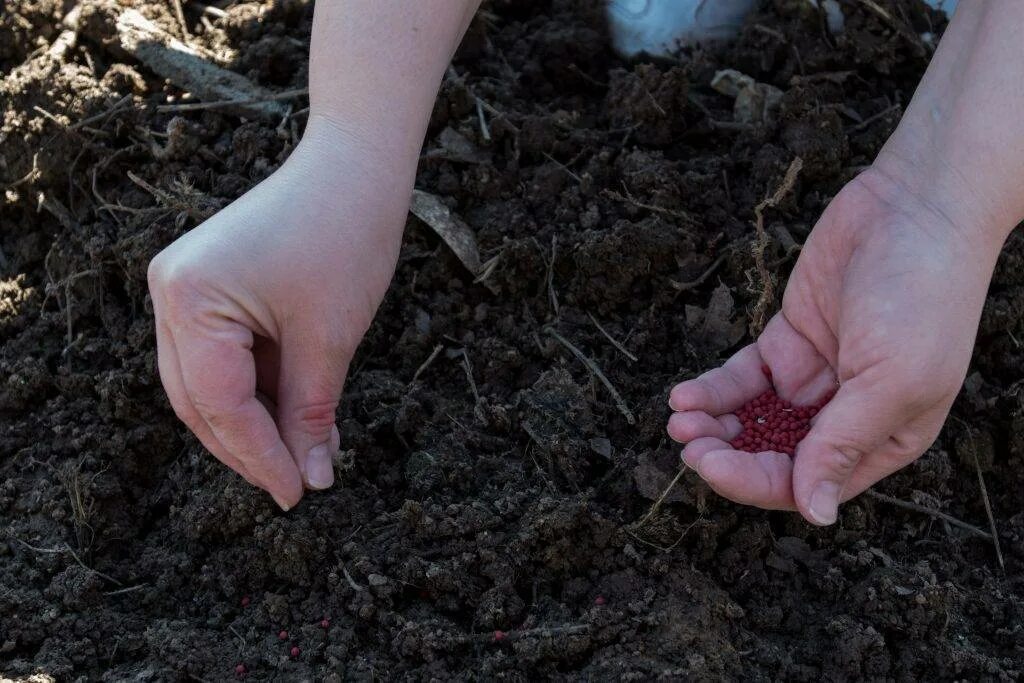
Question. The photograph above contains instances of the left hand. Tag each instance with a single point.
(883, 305)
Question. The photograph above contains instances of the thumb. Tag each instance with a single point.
(309, 386)
(857, 421)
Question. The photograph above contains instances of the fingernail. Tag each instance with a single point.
(284, 506)
(824, 507)
(319, 468)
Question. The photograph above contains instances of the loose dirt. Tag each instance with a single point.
(614, 203)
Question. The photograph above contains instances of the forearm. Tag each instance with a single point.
(375, 67)
(960, 145)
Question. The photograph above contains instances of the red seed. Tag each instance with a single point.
(283, 635)
(240, 670)
(599, 600)
(295, 651)
(325, 623)
(771, 423)
(499, 636)
(245, 601)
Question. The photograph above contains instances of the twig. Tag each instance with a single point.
(907, 34)
(117, 107)
(430, 359)
(181, 19)
(551, 274)
(661, 499)
(907, 505)
(542, 631)
(469, 375)
(685, 286)
(129, 589)
(67, 549)
(592, 366)
(485, 131)
(612, 339)
(988, 507)
(874, 117)
(218, 104)
(562, 166)
(208, 9)
(628, 199)
(351, 581)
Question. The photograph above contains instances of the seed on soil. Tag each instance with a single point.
(245, 601)
(240, 670)
(599, 600)
(283, 635)
(295, 651)
(499, 636)
(325, 623)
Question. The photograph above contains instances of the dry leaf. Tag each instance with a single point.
(456, 234)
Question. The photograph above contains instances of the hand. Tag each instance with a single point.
(883, 305)
(259, 309)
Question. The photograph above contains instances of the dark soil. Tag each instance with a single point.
(126, 551)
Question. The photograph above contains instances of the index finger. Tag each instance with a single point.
(219, 374)
(726, 388)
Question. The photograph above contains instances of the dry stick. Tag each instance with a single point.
(874, 117)
(469, 375)
(592, 366)
(661, 499)
(430, 359)
(67, 549)
(612, 339)
(484, 130)
(685, 286)
(212, 11)
(949, 519)
(117, 107)
(551, 274)
(129, 589)
(628, 199)
(988, 508)
(351, 582)
(542, 631)
(181, 19)
(767, 295)
(984, 492)
(217, 104)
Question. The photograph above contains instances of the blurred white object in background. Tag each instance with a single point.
(660, 27)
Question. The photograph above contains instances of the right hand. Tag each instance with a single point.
(260, 309)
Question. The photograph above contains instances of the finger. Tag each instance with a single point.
(761, 479)
(219, 375)
(170, 377)
(694, 424)
(309, 387)
(800, 373)
(698, 448)
(725, 388)
(858, 421)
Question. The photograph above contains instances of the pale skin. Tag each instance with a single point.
(260, 309)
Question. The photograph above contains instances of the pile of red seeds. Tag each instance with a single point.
(771, 423)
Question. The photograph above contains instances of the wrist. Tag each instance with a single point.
(925, 179)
